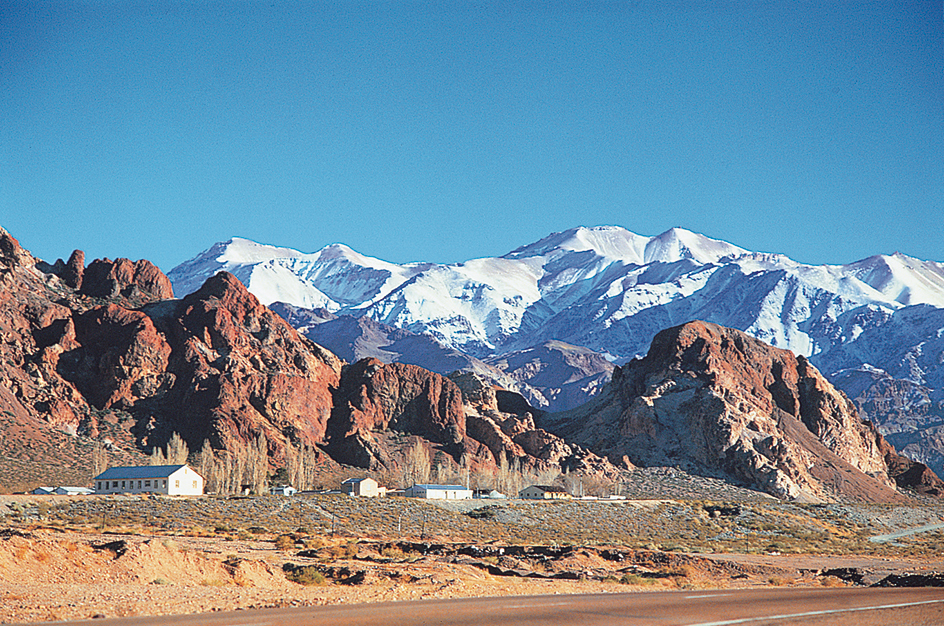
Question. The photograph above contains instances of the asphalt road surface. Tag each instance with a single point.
(860, 607)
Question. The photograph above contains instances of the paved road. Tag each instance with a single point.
(821, 607)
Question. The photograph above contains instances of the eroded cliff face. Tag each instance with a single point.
(719, 402)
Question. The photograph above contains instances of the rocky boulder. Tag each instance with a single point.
(104, 278)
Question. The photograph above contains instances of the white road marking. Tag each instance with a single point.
(747, 620)
(710, 595)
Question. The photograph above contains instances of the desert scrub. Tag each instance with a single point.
(285, 542)
(392, 552)
(303, 574)
(637, 580)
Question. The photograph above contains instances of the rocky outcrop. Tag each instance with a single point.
(240, 371)
(716, 401)
(504, 423)
(104, 278)
(374, 397)
(74, 270)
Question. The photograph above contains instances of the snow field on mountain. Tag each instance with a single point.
(603, 287)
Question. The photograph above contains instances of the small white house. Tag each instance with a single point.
(171, 480)
(283, 490)
(438, 492)
(43, 491)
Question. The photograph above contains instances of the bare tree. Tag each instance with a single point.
(258, 465)
(99, 459)
(207, 468)
(177, 451)
(416, 466)
(157, 457)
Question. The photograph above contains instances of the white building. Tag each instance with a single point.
(283, 490)
(365, 487)
(438, 492)
(171, 480)
(73, 491)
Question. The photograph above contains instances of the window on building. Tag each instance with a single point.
(194, 484)
(114, 484)
(147, 483)
(177, 484)
(139, 484)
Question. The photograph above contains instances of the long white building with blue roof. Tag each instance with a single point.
(169, 480)
(438, 492)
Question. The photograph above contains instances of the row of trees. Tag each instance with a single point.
(248, 468)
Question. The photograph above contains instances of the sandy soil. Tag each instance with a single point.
(52, 575)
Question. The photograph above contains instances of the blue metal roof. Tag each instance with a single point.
(141, 471)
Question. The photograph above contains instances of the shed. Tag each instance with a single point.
(488, 494)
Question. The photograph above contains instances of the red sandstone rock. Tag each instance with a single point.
(104, 278)
(74, 270)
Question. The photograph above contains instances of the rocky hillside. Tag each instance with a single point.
(102, 351)
(717, 401)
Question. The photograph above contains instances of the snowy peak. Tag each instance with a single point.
(618, 244)
(610, 242)
(678, 244)
(603, 288)
(901, 278)
(238, 251)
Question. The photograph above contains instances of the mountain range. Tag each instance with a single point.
(101, 363)
(552, 318)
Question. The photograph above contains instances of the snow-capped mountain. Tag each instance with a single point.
(873, 327)
(602, 288)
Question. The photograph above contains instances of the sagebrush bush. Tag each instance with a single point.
(305, 575)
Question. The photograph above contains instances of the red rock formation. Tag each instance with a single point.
(240, 370)
(73, 271)
(104, 278)
(123, 357)
(376, 397)
(717, 401)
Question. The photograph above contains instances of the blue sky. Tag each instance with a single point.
(446, 131)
